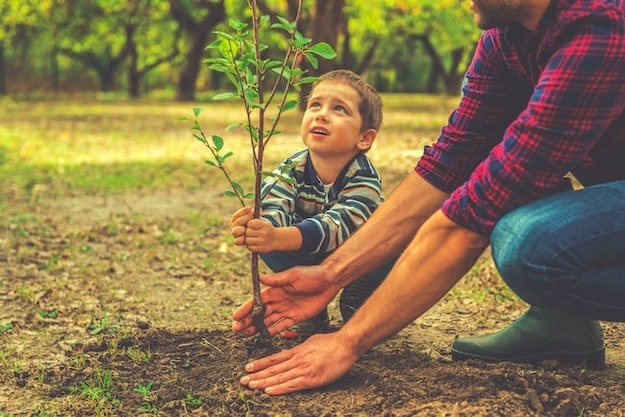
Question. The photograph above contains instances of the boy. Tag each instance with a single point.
(332, 189)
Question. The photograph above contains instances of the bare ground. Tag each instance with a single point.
(121, 305)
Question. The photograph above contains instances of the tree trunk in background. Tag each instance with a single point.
(452, 79)
(198, 32)
(55, 74)
(134, 75)
(328, 22)
(3, 86)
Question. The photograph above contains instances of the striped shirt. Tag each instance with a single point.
(325, 218)
(536, 106)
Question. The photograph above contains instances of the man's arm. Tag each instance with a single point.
(440, 254)
(387, 233)
(299, 293)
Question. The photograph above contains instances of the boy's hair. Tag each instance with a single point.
(370, 101)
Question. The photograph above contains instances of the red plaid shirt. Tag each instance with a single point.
(536, 105)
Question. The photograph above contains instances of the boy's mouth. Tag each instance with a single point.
(320, 131)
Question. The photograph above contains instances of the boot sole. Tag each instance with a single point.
(592, 360)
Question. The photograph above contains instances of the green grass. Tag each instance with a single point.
(86, 146)
(92, 147)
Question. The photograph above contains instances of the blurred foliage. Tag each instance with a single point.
(82, 45)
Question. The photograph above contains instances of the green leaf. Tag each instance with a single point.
(251, 95)
(197, 111)
(253, 131)
(272, 64)
(210, 163)
(218, 141)
(314, 62)
(289, 105)
(307, 80)
(237, 25)
(214, 45)
(301, 40)
(223, 35)
(323, 49)
(284, 72)
(284, 24)
(230, 194)
(223, 96)
(237, 187)
(232, 126)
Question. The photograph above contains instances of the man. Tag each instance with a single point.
(544, 97)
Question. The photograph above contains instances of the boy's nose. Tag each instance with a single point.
(321, 115)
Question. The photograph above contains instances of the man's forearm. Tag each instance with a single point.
(387, 233)
(441, 253)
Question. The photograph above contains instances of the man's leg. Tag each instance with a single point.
(565, 256)
(355, 294)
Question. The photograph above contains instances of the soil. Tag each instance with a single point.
(120, 305)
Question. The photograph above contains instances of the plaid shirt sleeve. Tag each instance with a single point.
(512, 139)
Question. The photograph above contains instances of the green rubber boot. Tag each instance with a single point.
(536, 335)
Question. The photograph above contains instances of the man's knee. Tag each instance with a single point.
(518, 248)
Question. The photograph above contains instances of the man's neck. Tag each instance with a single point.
(538, 9)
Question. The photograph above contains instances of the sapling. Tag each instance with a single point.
(262, 83)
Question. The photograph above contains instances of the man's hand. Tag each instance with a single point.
(321, 359)
(291, 297)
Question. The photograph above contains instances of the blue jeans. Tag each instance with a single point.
(566, 252)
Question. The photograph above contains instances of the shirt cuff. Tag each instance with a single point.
(311, 236)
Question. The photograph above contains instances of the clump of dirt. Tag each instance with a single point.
(121, 306)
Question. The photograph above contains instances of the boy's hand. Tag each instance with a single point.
(261, 236)
(238, 224)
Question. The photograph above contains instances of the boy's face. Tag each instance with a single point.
(331, 123)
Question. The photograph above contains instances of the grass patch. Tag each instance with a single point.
(86, 146)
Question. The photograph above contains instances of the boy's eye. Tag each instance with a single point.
(313, 104)
(341, 108)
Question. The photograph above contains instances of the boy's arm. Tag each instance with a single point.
(355, 203)
(262, 237)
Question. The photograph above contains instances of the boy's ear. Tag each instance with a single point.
(366, 141)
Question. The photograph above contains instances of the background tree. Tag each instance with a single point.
(198, 19)
(146, 21)
(91, 33)
(19, 26)
(399, 45)
(325, 23)
(410, 45)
